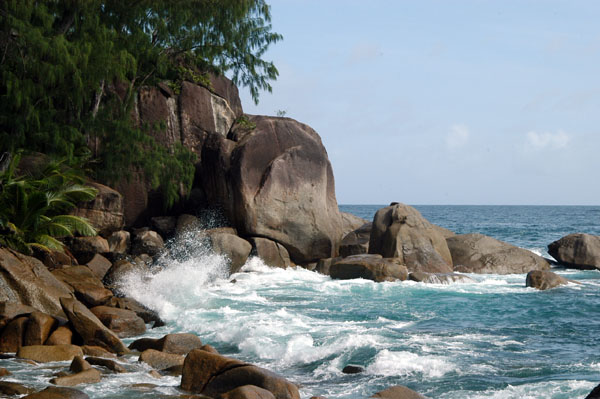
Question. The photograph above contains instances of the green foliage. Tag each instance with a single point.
(244, 122)
(33, 206)
(71, 69)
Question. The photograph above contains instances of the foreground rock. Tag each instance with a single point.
(58, 393)
(476, 253)
(580, 251)
(89, 376)
(27, 281)
(234, 248)
(440, 278)
(544, 280)
(370, 267)
(122, 322)
(595, 394)
(399, 231)
(398, 392)
(161, 360)
(180, 344)
(248, 392)
(12, 389)
(49, 353)
(212, 375)
(91, 330)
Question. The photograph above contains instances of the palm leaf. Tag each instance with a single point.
(76, 224)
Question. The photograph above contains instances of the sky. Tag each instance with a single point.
(445, 102)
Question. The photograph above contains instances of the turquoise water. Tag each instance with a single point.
(489, 339)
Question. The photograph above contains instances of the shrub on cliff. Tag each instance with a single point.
(71, 70)
(33, 206)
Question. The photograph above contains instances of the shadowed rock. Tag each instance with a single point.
(370, 267)
(398, 392)
(544, 279)
(125, 323)
(580, 251)
(356, 242)
(58, 393)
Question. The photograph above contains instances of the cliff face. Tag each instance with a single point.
(271, 176)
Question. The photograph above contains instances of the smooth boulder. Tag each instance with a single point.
(356, 242)
(581, 251)
(49, 353)
(58, 393)
(89, 376)
(125, 323)
(477, 253)
(400, 231)
(544, 279)
(398, 392)
(370, 267)
(234, 248)
(179, 343)
(272, 253)
(248, 392)
(105, 211)
(86, 285)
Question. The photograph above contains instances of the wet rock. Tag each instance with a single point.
(370, 267)
(84, 248)
(12, 336)
(440, 278)
(595, 394)
(209, 348)
(89, 376)
(356, 242)
(123, 322)
(147, 242)
(324, 265)
(580, 251)
(87, 287)
(38, 328)
(400, 231)
(164, 225)
(180, 343)
(61, 336)
(91, 350)
(352, 369)
(119, 242)
(187, 224)
(398, 392)
(13, 389)
(99, 265)
(120, 269)
(108, 363)
(91, 330)
(58, 393)
(79, 364)
(248, 392)
(4, 372)
(234, 248)
(271, 252)
(476, 253)
(544, 280)
(148, 315)
(49, 353)
(161, 360)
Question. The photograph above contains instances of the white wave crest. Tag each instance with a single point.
(388, 363)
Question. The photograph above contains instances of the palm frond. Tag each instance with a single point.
(77, 224)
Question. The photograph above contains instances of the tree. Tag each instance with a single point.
(62, 63)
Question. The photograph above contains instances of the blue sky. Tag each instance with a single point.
(445, 102)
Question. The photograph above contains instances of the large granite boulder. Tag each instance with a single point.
(105, 212)
(400, 231)
(212, 375)
(232, 247)
(271, 252)
(87, 287)
(39, 327)
(581, 251)
(26, 280)
(49, 353)
(180, 343)
(356, 242)
(351, 222)
(477, 253)
(125, 323)
(58, 393)
(544, 279)
(370, 267)
(283, 188)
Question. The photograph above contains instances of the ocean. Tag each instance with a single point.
(491, 339)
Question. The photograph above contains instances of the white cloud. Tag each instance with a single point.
(546, 140)
(457, 137)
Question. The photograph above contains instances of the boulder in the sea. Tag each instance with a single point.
(234, 248)
(580, 251)
(161, 360)
(356, 242)
(179, 343)
(58, 393)
(147, 241)
(148, 315)
(79, 364)
(370, 267)
(353, 369)
(49, 353)
(26, 280)
(91, 330)
(440, 278)
(212, 375)
(272, 253)
(400, 231)
(398, 392)
(89, 376)
(544, 279)
(13, 389)
(477, 253)
(107, 363)
(595, 394)
(125, 323)
(247, 392)
(324, 265)
(38, 328)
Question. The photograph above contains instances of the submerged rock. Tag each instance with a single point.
(477, 253)
(58, 393)
(370, 267)
(398, 392)
(400, 231)
(580, 251)
(544, 279)
(13, 389)
(440, 278)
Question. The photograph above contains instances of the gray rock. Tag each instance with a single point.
(351, 222)
(399, 231)
(544, 279)
(271, 252)
(398, 392)
(356, 242)
(476, 253)
(147, 242)
(119, 242)
(105, 212)
(370, 267)
(324, 265)
(234, 248)
(580, 251)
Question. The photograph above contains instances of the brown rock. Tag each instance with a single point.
(234, 248)
(271, 252)
(13, 389)
(49, 353)
(580, 251)
(123, 322)
(120, 269)
(84, 248)
(105, 212)
(199, 368)
(161, 360)
(91, 330)
(157, 109)
(109, 364)
(209, 348)
(79, 364)
(99, 265)
(89, 376)
(87, 287)
(38, 328)
(61, 336)
(164, 225)
(356, 242)
(146, 314)
(4, 372)
(12, 336)
(370, 267)
(26, 280)
(147, 242)
(188, 224)
(351, 222)
(248, 392)
(58, 393)
(180, 343)
(56, 259)
(476, 253)
(324, 265)
(400, 231)
(10, 310)
(91, 350)
(398, 392)
(544, 279)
